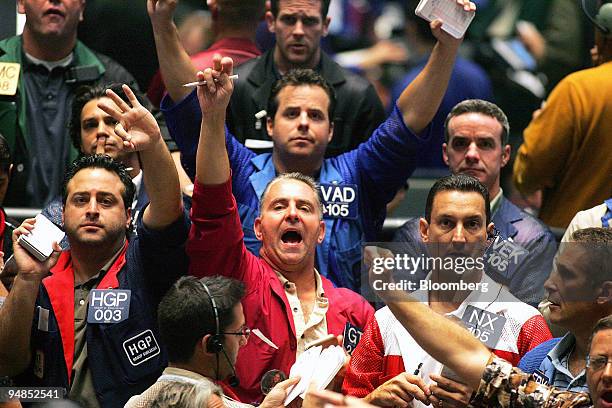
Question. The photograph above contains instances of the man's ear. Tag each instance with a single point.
(506, 150)
(257, 228)
(128, 222)
(424, 229)
(605, 297)
(270, 21)
(270, 126)
(444, 153)
(490, 229)
(331, 132)
(20, 7)
(321, 236)
(326, 26)
(82, 10)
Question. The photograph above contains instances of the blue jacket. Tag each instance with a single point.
(537, 356)
(148, 266)
(524, 279)
(378, 167)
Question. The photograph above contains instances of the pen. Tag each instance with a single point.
(418, 369)
(198, 83)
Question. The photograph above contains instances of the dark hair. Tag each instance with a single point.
(5, 155)
(301, 77)
(85, 93)
(240, 13)
(597, 243)
(601, 325)
(458, 182)
(101, 161)
(479, 106)
(324, 7)
(309, 181)
(185, 313)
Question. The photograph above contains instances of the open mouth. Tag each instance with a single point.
(54, 12)
(291, 237)
(606, 397)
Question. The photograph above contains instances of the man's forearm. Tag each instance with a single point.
(420, 101)
(16, 317)
(162, 185)
(212, 163)
(174, 63)
(444, 340)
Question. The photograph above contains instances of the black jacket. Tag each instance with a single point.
(358, 108)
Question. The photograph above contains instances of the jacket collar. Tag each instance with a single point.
(60, 288)
(505, 217)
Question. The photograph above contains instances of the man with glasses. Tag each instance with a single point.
(202, 325)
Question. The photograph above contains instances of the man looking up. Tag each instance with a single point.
(34, 120)
(456, 223)
(287, 299)
(99, 361)
(476, 134)
(357, 185)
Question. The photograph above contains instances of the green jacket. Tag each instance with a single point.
(13, 121)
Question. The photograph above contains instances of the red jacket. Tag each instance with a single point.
(215, 247)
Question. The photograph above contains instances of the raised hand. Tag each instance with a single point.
(136, 125)
(215, 95)
(28, 267)
(442, 36)
(161, 11)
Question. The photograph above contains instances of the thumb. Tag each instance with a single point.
(100, 145)
(288, 383)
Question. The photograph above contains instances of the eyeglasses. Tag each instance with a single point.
(597, 363)
(244, 331)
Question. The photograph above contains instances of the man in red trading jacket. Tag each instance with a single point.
(286, 298)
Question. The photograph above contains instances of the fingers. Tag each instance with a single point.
(125, 136)
(283, 385)
(467, 5)
(111, 110)
(24, 229)
(131, 96)
(123, 106)
(416, 387)
(101, 145)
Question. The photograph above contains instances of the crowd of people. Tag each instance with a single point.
(228, 220)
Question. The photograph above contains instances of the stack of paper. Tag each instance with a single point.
(40, 241)
(455, 20)
(315, 366)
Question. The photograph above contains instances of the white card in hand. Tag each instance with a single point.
(455, 19)
(40, 241)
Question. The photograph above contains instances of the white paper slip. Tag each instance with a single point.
(455, 19)
(258, 144)
(263, 338)
(316, 366)
(40, 241)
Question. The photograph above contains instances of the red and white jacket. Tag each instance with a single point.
(386, 349)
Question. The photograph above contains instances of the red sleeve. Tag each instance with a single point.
(215, 245)
(366, 367)
(534, 331)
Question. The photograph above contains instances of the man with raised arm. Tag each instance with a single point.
(355, 186)
(89, 327)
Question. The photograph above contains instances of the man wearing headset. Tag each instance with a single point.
(202, 325)
(457, 220)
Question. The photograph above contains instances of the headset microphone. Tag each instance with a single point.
(215, 344)
(233, 379)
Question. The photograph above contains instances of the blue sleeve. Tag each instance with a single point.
(533, 359)
(183, 120)
(162, 253)
(387, 159)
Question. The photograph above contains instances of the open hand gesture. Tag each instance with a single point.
(136, 125)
